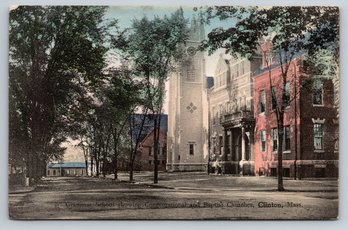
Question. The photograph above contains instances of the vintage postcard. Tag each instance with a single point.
(181, 112)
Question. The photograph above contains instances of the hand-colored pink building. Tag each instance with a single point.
(310, 143)
(146, 158)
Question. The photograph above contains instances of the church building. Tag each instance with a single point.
(187, 138)
(231, 121)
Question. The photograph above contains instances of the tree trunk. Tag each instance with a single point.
(155, 150)
(280, 151)
(115, 168)
(105, 151)
(131, 166)
(35, 167)
(91, 165)
(104, 162)
(134, 149)
(116, 155)
(85, 154)
(97, 166)
(86, 162)
(30, 168)
(116, 152)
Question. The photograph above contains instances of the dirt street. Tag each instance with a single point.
(178, 196)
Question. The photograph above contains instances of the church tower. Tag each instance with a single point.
(187, 138)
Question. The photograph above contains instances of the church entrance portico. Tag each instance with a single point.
(238, 156)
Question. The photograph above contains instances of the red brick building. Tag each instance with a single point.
(145, 156)
(310, 144)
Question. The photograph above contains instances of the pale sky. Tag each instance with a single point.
(125, 15)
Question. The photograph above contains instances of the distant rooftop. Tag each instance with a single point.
(148, 124)
(67, 165)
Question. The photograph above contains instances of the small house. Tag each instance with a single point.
(66, 169)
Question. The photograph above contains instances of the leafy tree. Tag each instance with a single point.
(102, 123)
(292, 31)
(152, 48)
(122, 97)
(52, 50)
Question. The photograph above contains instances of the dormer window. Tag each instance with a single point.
(317, 92)
(268, 59)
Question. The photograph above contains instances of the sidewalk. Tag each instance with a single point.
(20, 189)
(212, 182)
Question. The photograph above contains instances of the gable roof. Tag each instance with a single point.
(148, 124)
(150, 136)
(280, 58)
(221, 66)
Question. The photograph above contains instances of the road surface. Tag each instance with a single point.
(178, 196)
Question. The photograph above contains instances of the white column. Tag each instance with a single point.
(243, 144)
(231, 145)
(225, 145)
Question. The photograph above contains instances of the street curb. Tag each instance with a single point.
(22, 191)
(156, 185)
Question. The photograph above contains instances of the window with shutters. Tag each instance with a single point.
(263, 140)
(262, 101)
(274, 134)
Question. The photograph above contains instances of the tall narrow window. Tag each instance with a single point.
(274, 98)
(286, 96)
(191, 149)
(274, 139)
(318, 136)
(214, 115)
(317, 92)
(150, 151)
(286, 138)
(263, 140)
(262, 101)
